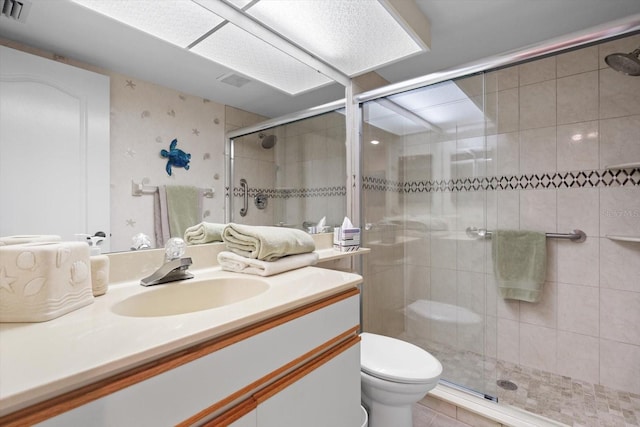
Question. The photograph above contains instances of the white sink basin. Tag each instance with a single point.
(190, 296)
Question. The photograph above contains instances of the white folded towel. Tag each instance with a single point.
(232, 262)
(266, 243)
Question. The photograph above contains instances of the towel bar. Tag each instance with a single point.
(578, 236)
(138, 189)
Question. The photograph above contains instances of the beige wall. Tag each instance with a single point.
(145, 118)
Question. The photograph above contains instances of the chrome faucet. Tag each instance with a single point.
(175, 266)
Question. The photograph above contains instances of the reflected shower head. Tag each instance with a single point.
(268, 141)
(627, 63)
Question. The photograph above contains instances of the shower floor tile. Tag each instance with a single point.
(568, 400)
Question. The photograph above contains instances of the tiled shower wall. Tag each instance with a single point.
(571, 113)
(312, 170)
(303, 175)
(252, 163)
(545, 118)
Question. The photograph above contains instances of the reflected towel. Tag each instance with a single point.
(205, 232)
(184, 207)
(519, 263)
(29, 238)
(160, 218)
(232, 262)
(266, 243)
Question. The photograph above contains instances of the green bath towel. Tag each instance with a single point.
(184, 206)
(266, 243)
(519, 263)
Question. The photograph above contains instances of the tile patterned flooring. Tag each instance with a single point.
(426, 417)
(564, 399)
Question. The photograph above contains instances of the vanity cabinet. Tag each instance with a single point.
(297, 368)
(317, 399)
(314, 399)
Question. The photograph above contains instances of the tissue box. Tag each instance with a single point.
(346, 239)
(42, 281)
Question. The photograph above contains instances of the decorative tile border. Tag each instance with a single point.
(381, 184)
(554, 180)
(294, 193)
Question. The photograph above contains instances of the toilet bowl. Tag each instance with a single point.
(394, 375)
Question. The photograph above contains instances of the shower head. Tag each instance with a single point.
(268, 141)
(627, 63)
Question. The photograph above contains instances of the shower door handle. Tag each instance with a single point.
(245, 197)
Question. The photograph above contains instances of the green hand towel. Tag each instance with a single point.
(519, 263)
(183, 208)
(266, 243)
(205, 232)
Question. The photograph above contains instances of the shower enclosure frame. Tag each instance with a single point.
(613, 30)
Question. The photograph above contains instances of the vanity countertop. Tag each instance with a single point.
(39, 361)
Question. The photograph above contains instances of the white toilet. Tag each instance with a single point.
(394, 375)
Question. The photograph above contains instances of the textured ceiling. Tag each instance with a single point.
(462, 31)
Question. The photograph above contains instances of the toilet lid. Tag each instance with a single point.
(395, 360)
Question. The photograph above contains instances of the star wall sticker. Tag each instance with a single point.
(130, 84)
(131, 152)
(171, 113)
(196, 132)
(131, 222)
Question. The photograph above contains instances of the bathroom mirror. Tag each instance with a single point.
(78, 171)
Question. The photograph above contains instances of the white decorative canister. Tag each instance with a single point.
(42, 281)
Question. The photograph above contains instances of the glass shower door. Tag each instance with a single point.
(294, 174)
(425, 157)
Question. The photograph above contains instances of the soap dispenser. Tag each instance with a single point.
(99, 263)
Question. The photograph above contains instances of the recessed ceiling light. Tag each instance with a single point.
(292, 45)
(179, 22)
(353, 36)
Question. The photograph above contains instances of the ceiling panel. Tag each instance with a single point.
(353, 36)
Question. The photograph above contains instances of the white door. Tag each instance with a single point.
(54, 148)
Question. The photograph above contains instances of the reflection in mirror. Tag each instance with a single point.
(415, 145)
(54, 148)
(142, 120)
(301, 169)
